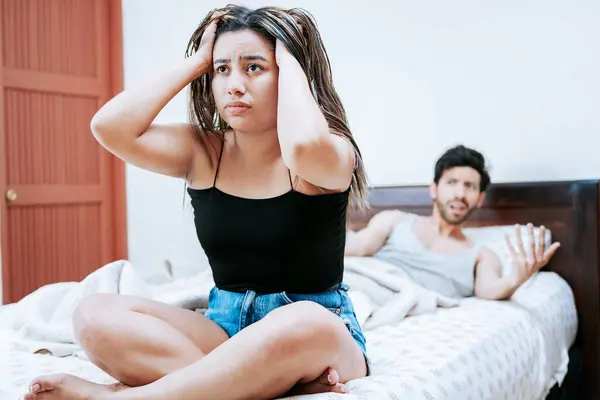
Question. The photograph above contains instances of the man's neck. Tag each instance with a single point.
(444, 228)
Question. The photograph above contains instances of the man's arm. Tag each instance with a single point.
(489, 282)
(370, 239)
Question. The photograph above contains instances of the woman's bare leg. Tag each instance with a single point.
(293, 344)
(137, 341)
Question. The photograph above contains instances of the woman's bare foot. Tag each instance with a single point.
(68, 387)
(327, 382)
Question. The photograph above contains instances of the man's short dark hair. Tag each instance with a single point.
(461, 156)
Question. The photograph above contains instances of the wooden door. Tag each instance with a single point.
(63, 196)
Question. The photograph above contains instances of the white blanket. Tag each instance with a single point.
(43, 319)
(384, 294)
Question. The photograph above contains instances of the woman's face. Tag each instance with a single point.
(245, 81)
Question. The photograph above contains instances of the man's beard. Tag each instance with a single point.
(451, 219)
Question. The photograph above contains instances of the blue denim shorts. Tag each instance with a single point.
(234, 311)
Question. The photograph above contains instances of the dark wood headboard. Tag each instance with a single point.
(569, 208)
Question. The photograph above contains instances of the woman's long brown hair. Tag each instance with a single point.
(297, 30)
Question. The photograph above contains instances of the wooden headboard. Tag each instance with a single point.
(569, 208)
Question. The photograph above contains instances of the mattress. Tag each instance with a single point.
(481, 349)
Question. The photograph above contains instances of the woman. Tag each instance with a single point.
(271, 166)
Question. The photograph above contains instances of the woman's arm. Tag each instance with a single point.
(308, 148)
(125, 127)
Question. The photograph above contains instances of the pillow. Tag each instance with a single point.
(493, 238)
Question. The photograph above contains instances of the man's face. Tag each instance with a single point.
(457, 194)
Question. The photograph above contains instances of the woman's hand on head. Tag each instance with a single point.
(282, 53)
(281, 50)
(203, 57)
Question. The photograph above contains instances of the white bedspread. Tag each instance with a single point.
(480, 350)
(492, 350)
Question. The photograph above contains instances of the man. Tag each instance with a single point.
(434, 251)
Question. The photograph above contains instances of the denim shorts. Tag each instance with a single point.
(234, 311)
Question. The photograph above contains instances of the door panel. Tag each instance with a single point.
(52, 243)
(63, 213)
(55, 36)
(50, 144)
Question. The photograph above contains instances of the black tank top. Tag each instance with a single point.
(293, 242)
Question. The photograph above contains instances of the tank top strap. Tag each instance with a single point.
(408, 220)
(291, 180)
(474, 251)
(410, 217)
(219, 161)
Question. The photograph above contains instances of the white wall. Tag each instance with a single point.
(1, 283)
(517, 80)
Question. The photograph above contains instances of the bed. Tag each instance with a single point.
(543, 343)
(571, 210)
(479, 350)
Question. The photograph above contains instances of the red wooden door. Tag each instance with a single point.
(62, 205)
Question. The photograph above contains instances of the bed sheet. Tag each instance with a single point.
(480, 350)
(516, 349)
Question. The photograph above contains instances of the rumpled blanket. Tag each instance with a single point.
(43, 319)
(384, 294)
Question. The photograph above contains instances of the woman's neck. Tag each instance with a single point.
(255, 147)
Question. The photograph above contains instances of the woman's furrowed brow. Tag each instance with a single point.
(254, 57)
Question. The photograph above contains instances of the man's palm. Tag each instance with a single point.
(528, 264)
